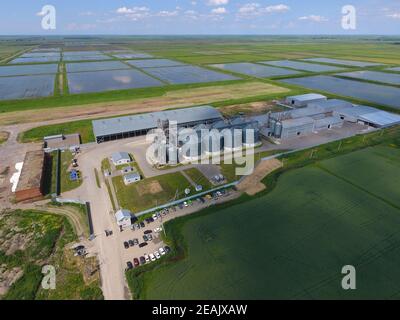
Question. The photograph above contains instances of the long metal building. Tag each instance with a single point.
(137, 125)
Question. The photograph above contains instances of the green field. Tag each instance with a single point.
(150, 192)
(293, 242)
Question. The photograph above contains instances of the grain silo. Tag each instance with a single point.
(212, 142)
(233, 139)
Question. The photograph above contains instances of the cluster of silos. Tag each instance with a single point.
(275, 127)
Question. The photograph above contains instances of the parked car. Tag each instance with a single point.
(142, 225)
(159, 229)
(145, 238)
(157, 254)
(167, 249)
(131, 243)
(154, 216)
(148, 231)
(137, 226)
(186, 204)
(126, 244)
(129, 265)
(149, 237)
(135, 242)
(142, 260)
(152, 257)
(136, 262)
(133, 227)
(161, 251)
(146, 258)
(143, 244)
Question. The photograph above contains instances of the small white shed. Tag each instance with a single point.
(119, 158)
(124, 218)
(131, 178)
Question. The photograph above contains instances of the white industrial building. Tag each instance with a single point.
(131, 178)
(304, 99)
(321, 115)
(123, 218)
(119, 158)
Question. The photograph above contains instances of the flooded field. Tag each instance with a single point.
(380, 94)
(96, 66)
(350, 63)
(255, 70)
(397, 69)
(188, 74)
(155, 63)
(98, 81)
(26, 87)
(384, 77)
(28, 70)
(303, 66)
(93, 57)
(137, 55)
(35, 60)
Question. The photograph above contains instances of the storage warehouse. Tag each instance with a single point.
(369, 116)
(304, 99)
(30, 185)
(131, 126)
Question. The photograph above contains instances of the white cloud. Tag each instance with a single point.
(314, 18)
(134, 13)
(217, 2)
(395, 15)
(165, 13)
(220, 10)
(277, 8)
(256, 9)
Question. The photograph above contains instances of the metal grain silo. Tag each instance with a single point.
(233, 139)
(212, 142)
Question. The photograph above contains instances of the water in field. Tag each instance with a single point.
(35, 60)
(80, 53)
(28, 69)
(40, 54)
(155, 63)
(98, 81)
(302, 66)
(137, 55)
(349, 63)
(96, 66)
(397, 69)
(93, 57)
(26, 87)
(380, 94)
(188, 74)
(383, 77)
(255, 70)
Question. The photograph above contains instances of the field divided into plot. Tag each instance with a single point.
(293, 242)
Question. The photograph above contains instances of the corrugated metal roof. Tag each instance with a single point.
(117, 156)
(297, 122)
(381, 118)
(327, 121)
(307, 97)
(331, 104)
(357, 111)
(149, 120)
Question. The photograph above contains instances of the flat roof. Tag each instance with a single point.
(32, 170)
(149, 121)
(381, 118)
(357, 111)
(331, 104)
(307, 97)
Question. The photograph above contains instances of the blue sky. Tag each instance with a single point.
(199, 17)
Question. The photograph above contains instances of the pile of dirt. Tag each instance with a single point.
(252, 184)
(153, 187)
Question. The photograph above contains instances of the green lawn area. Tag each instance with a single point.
(65, 183)
(150, 192)
(292, 242)
(42, 239)
(199, 178)
(229, 170)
